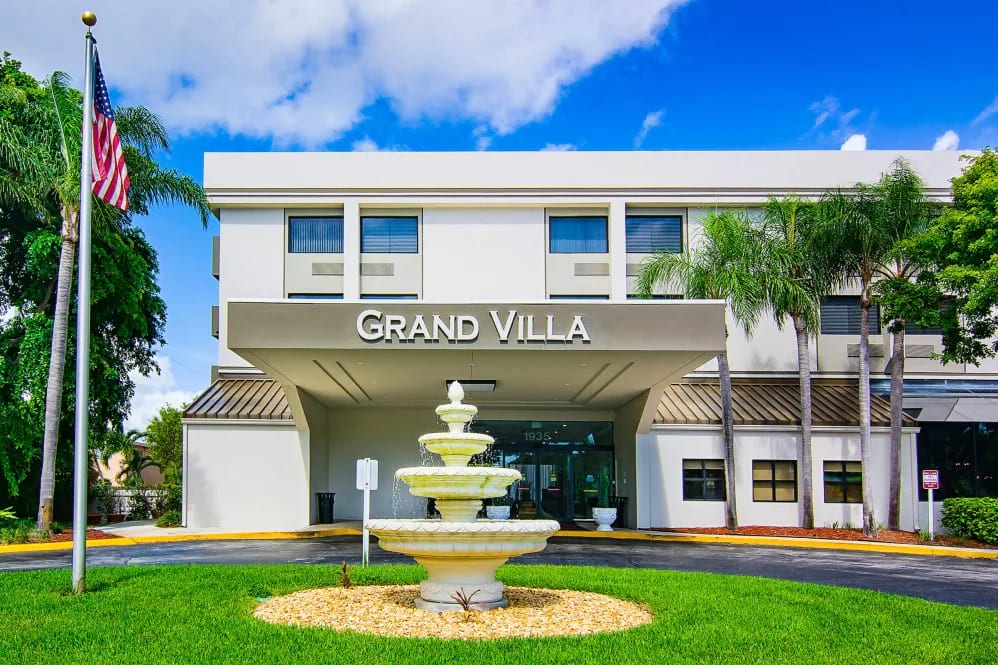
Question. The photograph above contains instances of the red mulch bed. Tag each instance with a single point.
(67, 535)
(884, 536)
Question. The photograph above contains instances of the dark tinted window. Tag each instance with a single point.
(578, 235)
(840, 316)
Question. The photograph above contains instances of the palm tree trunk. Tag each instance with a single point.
(897, 391)
(728, 429)
(57, 362)
(804, 368)
(869, 521)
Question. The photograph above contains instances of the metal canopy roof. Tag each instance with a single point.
(769, 403)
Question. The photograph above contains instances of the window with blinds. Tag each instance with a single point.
(389, 235)
(578, 235)
(646, 234)
(840, 315)
(315, 235)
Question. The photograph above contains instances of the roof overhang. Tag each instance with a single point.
(581, 354)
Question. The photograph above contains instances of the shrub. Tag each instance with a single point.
(972, 518)
(103, 495)
(168, 499)
(169, 519)
(138, 507)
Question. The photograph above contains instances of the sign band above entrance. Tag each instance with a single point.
(376, 326)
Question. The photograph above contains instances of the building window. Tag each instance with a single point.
(647, 234)
(774, 480)
(389, 235)
(577, 297)
(655, 296)
(315, 296)
(388, 296)
(578, 235)
(315, 235)
(843, 482)
(840, 316)
(703, 480)
(966, 455)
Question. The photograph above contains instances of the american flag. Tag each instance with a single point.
(110, 175)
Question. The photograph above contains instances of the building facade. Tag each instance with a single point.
(353, 286)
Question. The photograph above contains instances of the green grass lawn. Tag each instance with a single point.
(202, 614)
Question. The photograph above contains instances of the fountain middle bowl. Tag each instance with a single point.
(457, 482)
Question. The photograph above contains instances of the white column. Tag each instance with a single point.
(351, 250)
(618, 251)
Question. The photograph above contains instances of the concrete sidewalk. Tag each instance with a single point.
(135, 533)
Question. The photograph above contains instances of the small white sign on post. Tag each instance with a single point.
(367, 480)
(930, 482)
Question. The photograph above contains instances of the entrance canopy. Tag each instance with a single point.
(578, 354)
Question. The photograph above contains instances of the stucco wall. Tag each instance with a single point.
(246, 477)
(251, 264)
(483, 254)
(661, 454)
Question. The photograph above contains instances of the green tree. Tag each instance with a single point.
(724, 266)
(960, 250)
(796, 275)
(49, 136)
(165, 437)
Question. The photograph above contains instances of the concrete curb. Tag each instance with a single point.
(764, 541)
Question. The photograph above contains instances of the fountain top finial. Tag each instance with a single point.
(455, 393)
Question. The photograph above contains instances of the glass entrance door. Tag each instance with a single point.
(562, 464)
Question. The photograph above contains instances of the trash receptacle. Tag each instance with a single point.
(620, 503)
(324, 501)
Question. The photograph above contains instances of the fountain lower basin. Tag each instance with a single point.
(462, 557)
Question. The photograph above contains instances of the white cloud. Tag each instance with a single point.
(948, 140)
(153, 392)
(651, 121)
(989, 111)
(367, 144)
(304, 72)
(855, 142)
(831, 119)
(558, 147)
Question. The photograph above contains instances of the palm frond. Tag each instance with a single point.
(141, 129)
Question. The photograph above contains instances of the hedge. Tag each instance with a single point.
(972, 518)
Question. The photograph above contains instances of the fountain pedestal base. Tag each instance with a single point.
(448, 578)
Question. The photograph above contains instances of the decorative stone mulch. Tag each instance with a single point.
(389, 611)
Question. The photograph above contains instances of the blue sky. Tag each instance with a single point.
(584, 75)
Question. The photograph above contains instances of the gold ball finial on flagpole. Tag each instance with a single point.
(89, 18)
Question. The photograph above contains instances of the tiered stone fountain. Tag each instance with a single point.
(460, 553)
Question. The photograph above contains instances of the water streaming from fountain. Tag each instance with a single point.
(459, 552)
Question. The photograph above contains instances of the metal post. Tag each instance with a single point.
(81, 466)
(365, 549)
(932, 519)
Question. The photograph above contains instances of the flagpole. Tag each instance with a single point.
(81, 427)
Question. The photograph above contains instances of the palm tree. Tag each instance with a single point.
(795, 280)
(54, 135)
(134, 458)
(723, 267)
(902, 210)
(858, 244)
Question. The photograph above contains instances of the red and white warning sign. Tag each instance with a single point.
(930, 479)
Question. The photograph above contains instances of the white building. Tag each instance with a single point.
(352, 286)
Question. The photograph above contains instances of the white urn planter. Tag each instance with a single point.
(497, 512)
(604, 517)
